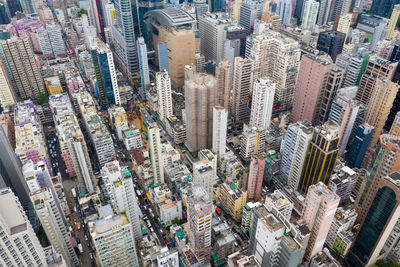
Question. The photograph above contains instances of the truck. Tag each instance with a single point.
(80, 248)
(73, 192)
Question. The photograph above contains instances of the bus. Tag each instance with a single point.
(218, 211)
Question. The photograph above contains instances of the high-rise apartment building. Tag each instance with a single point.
(331, 42)
(379, 225)
(199, 214)
(163, 85)
(220, 125)
(294, 150)
(324, 12)
(255, 179)
(143, 63)
(284, 10)
(19, 55)
(353, 71)
(120, 189)
(377, 68)
(155, 153)
(393, 21)
(53, 225)
(343, 26)
(51, 40)
(8, 96)
(199, 103)
(242, 82)
(359, 145)
(309, 15)
(72, 142)
(340, 8)
(380, 103)
(19, 243)
(250, 11)
(114, 240)
(321, 157)
(223, 74)
(312, 75)
(252, 142)
(262, 102)
(106, 75)
(201, 7)
(204, 175)
(319, 209)
(173, 27)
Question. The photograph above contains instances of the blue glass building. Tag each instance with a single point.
(359, 145)
(163, 56)
(103, 77)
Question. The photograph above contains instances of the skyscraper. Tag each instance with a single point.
(8, 96)
(309, 15)
(26, 74)
(220, 125)
(319, 210)
(155, 153)
(394, 18)
(262, 102)
(163, 84)
(311, 78)
(97, 10)
(255, 179)
(242, 82)
(331, 42)
(294, 151)
(199, 103)
(377, 224)
(324, 12)
(106, 76)
(284, 10)
(51, 40)
(143, 63)
(199, 214)
(54, 227)
(359, 145)
(223, 74)
(320, 158)
(383, 8)
(250, 11)
(20, 246)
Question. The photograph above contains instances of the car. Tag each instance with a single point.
(88, 244)
(78, 240)
(91, 256)
(86, 238)
(229, 222)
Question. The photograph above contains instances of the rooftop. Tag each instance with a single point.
(171, 17)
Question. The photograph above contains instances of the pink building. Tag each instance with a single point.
(256, 174)
(69, 164)
(318, 212)
(45, 14)
(32, 155)
(27, 26)
(313, 71)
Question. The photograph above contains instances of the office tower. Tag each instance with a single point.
(145, 6)
(109, 14)
(155, 153)
(204, 175)
(255, 179)
(201, 8)
(379, 34)
(294, 149)
(324, 12)
(344, 25)
(383, 8)
(72, 142)
(19, 243)
(114, 240)
(14, 6)
(120, 189)
(199, 214)
(250, 11)
(329, 87)
(97, 14)
(378, 226)
(252, 142)
(340, 8)
(394, 18)
(199, 103)
(379, 106)
(163, 57)
(173, 27)
(143, 63)
(106, 76)
(284, 10)
(8, 97)
(309, 15)
(331, 42)
(213, 31)
(51, 40)
(346, 112)
(242, 82)
(4, 19)
(220, 125)
(237, 34)
(223, 74)
(124, 37)
(319, 210)
(18, 53)
(384, 49)
(359, 145)
(262, 102)
(98, 132)
(321, 157)
(163, 85)
(353, 71)
(53, 225)
(312, 75)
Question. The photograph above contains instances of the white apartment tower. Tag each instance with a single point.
(204, 175)
(54, 227)
(294, 150)
(163, 83)
(309, 15)
(155, 153)
(262, 102)
(220, 124)
(19, 244)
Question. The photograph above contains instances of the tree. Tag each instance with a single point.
(42, 98)
(82, 12)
